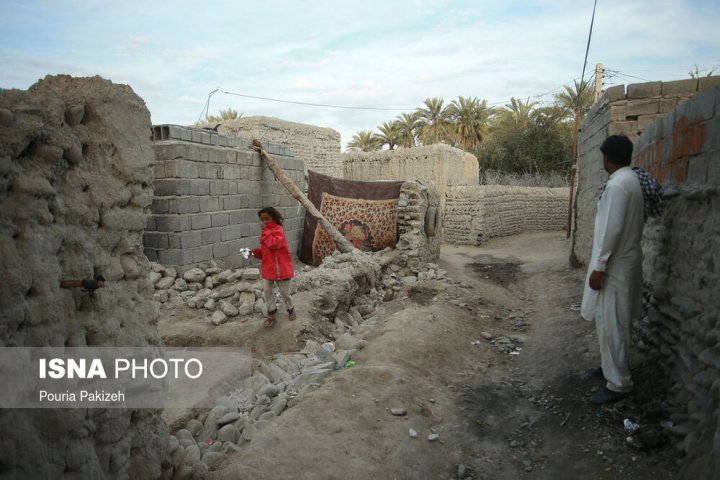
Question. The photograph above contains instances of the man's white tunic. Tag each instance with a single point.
(617, 252)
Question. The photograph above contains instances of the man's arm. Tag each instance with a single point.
(610, 222)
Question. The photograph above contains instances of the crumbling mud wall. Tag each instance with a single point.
(75, 184)
(420, 223)
(682, 330)
(208, 190)
(318, 147)
(440, 164)
(475, 214)
(618, 111)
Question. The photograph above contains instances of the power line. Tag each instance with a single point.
(587, 47)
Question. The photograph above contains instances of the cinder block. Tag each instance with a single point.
(685, 87)
(667, 104)
(184, 205)
(617, 113)
(197, 153)
(644, 121)
(200, 221)
(175, 257)
(235, 202)
(220, 250)
(232, 232)
(158, 170)
(160, 206)
(172, 223)
(245, 187)
(151, 254)
(220, 219)
(181, 169)
(150, 223)
(205, 138)
(155, 240)
(211, 236)
(628, 128)
(246, 157)
(236, 217)
(172, 187)
(647, 106)
(199, 187)
(256, 174)
(202, 254)
(644, 90)
(255, 201)
(196, 136)
(230, 172)
(219, 187)
(616, 92)
(170, 150)
(208, 170)
(706, 83)
(267, 201)
(209, 204)
(231, 156)
(232, 187)
(187, 239)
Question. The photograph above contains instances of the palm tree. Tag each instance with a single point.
(470, 117)
(518, 112)
(578, 97)
(226, 114)
(435, 121)
(365, 141)
(389, 134)
(408, 125)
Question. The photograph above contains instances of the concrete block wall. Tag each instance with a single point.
(680, 269)
(619, 110)
(474, 214)
(208, 190)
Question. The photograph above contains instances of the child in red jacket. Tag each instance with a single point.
(277, 266)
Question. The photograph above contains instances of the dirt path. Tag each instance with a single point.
(509, 407)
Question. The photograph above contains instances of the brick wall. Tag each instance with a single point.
(474, 214)
(208, 189)
(681, 273)
(619, 111)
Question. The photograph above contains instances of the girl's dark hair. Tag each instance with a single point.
(274, 214)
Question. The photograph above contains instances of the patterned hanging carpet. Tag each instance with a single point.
(364, 212)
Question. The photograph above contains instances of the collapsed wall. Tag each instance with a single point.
(318, 147)
(208, 190)
(75, 184)
(682, 331)
(443, 165)
(474, 214)
(618, 111)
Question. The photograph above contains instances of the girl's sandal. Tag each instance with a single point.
(270, 320)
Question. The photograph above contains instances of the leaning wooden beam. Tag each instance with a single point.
(342, 243)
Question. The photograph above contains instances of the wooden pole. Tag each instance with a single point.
(342, 243)
(573, 168)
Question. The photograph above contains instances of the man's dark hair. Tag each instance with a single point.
(618, 149)
(274, 214)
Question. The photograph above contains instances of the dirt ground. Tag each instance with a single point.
(511, 407)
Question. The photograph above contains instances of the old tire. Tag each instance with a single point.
(431, 221)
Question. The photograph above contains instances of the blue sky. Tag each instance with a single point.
(386, 54)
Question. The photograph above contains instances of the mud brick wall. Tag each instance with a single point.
(474, 214)
(318, 147)
(442, 165)
(75, 187)
(208, 190)
(682, 274)
(618, 111)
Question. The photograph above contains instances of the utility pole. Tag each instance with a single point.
(598, 79)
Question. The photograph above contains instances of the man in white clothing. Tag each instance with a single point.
(613, 290)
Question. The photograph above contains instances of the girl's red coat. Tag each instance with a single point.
(274, 253)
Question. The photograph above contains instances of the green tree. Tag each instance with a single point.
(408, 125)
(470, 118)
(517, 112)
(389, 135)
(365, 141)
(578, 97)
(435, 122)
